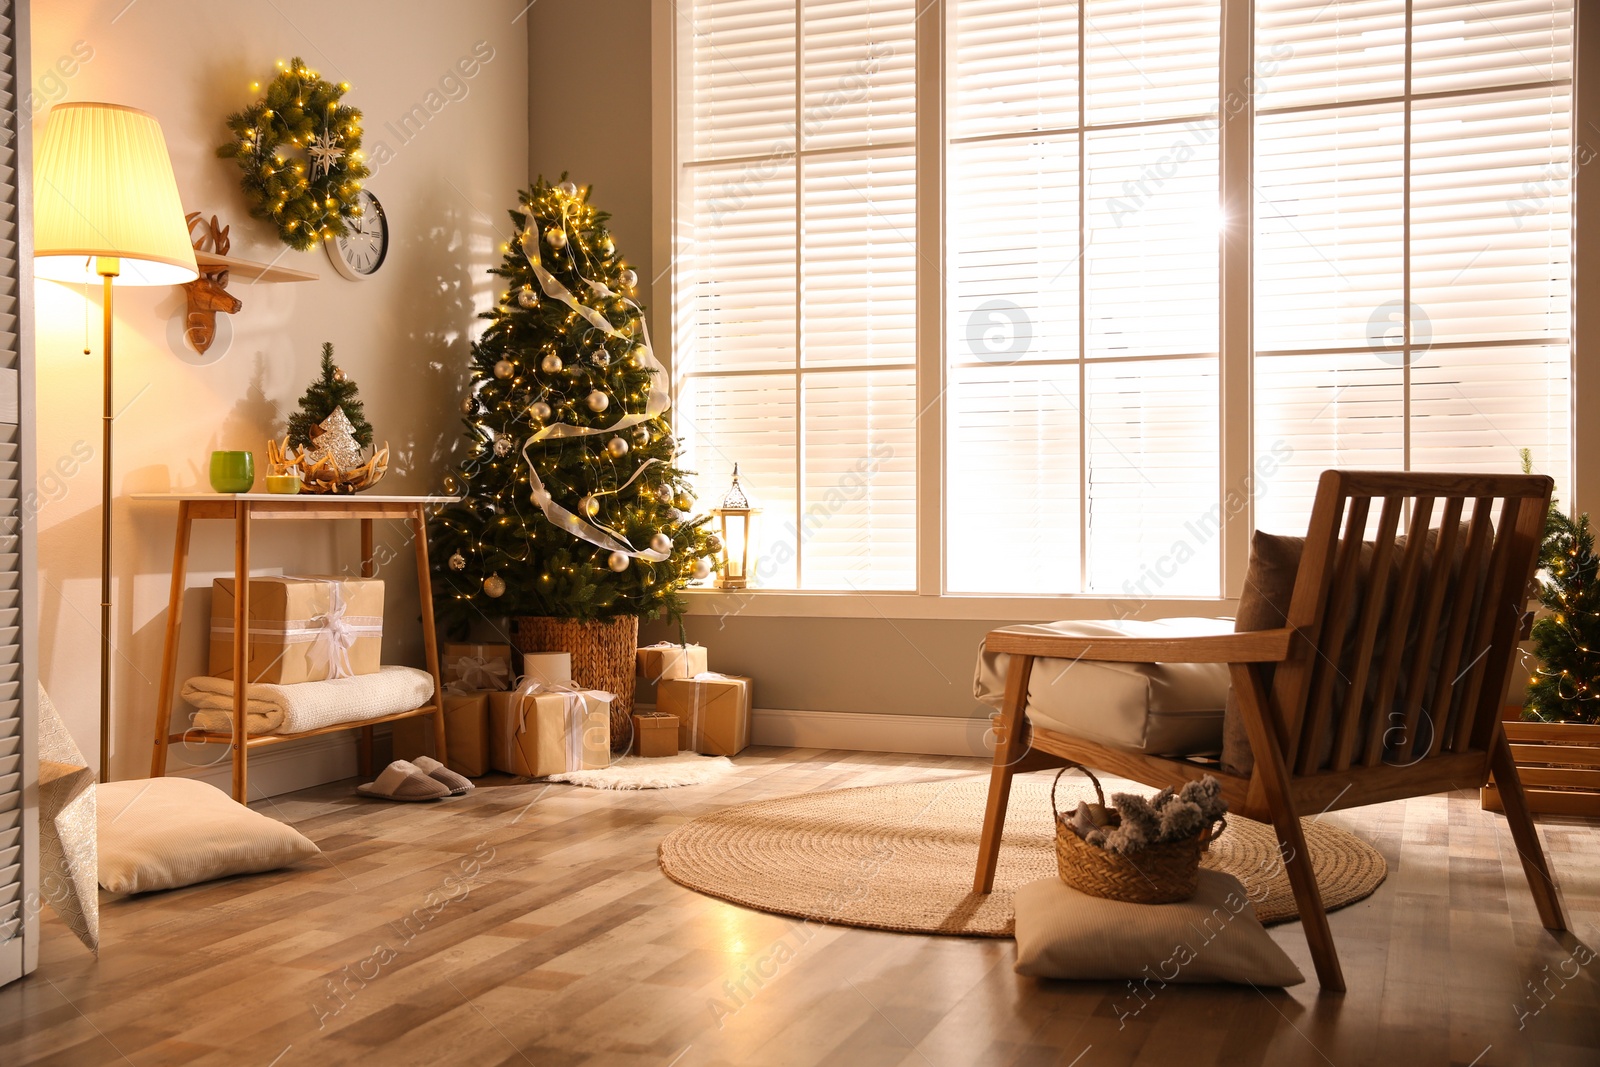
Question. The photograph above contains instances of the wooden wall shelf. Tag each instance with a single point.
(250, 270)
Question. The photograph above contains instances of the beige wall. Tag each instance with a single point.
(402, 334)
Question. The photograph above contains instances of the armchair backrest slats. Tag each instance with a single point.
(1405, 642)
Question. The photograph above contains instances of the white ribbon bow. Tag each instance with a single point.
(479, 672)
(334, 635)
(576, 711)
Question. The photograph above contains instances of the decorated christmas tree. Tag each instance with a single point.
(333, 391)
(1565, 686)
(570, 501)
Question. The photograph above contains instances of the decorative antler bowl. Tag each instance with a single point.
(323, 474)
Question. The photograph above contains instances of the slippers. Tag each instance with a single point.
(456, 783)
(402, 780)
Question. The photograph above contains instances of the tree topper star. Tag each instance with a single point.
(324, 153)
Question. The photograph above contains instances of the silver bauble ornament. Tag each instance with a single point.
(557, 239)
(599, 357)
(661, 543)
(636, 357)
(502, 447)
(616, 448)
(597, 401)
(702, 568)
(641, 436)
(607, 246)
(469, 405)
(494, 585)
(527, 297)
(503, 368)
(567, 189)
(540, 410)
(628, 279)
(551, 364)
(458, 562)
(618, 562)
(589, 507)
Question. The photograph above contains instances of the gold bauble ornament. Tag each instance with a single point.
(540, 410)
(557, 239)
(339, 375)
(589, 507)
(617, 447)
(567, 189)
(683, 501)
(503, 368)
(551, 364)
(597, 401)
(661, 543)
(618, 561)
(468, 405)
(527, 298)
(494, 585)
(458, 562)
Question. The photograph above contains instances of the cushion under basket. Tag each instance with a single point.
(1158, 708)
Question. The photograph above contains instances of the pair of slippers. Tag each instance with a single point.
(423, 778)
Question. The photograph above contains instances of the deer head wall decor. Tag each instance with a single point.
(208, 294)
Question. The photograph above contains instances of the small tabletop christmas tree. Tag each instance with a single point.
(570, 501)
(334, 391)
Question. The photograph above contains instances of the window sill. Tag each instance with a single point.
(786, 603)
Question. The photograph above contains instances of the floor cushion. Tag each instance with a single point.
(162, 833)
(1156, 708)
(1212, 937)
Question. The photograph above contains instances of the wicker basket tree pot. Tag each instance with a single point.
(603, 655)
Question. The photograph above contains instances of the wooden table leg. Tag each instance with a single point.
(169, 652)
(430, 642)
(369, 569)
(241, 646)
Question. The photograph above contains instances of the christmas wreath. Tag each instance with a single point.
(307, 199)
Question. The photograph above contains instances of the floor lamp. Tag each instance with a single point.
(105, 205)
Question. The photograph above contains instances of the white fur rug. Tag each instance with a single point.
(661, 772)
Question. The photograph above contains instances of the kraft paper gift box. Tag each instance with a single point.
(302, 629)
(466, 734)
(713, 712)
(550, 669)
(538, 733)
(474, 668)
(655, 734)
(667, 660)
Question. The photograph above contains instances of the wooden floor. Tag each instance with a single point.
(527, 924)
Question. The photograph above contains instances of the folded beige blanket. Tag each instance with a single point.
(292, 709)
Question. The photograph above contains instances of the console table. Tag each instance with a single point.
(240, 509)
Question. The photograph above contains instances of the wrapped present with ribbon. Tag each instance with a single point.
(476, 668)
(302, 629)
(466, 734)
(713, 711)
(540, 729)
(667, 660)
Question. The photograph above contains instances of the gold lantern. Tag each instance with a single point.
(736, 515)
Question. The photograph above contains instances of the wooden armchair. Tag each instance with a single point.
(1388, 682)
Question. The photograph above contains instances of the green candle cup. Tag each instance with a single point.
(233, 472)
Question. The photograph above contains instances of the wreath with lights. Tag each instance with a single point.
(308, 198)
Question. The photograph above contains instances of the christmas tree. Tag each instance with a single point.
(334, 391)
(570, 502)
(1565, 687)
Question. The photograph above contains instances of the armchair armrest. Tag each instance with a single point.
(1258, 646)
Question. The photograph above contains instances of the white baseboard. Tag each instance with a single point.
(273, 770)
(855, 731)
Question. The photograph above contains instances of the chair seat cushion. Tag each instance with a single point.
(1167, 709)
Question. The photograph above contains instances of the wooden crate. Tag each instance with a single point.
(1558, 762)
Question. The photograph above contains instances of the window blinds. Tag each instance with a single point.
(794, 348)
(1412, 270)
(1082, 234)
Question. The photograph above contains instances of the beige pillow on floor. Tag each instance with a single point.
(1212, 937)
(162, 833)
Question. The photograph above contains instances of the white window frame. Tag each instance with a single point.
(930, 600)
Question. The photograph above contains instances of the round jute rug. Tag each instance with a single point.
(901, 857)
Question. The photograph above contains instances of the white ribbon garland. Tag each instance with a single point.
(659, 401)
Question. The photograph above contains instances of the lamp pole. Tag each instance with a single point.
(108, 267)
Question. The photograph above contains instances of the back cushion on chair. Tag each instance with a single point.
(1157, 708)
(1264, 605)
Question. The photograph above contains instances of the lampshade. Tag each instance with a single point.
(103, 186)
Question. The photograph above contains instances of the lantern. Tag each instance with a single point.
(735, 515)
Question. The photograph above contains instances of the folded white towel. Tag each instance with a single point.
(292, 709)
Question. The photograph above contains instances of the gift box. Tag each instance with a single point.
(713, 712)
(655, 734)
(537, 732)
(476, 668)
(302, 629)
(667, 660)
(466, 734)
(553, 670)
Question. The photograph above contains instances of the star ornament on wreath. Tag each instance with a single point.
(307, 199)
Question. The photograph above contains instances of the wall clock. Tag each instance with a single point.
(360, 252)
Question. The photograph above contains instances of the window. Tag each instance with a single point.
(1412, 239)
(795, 289)
(1403, 293)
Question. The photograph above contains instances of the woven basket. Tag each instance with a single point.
(604, 657)
(1157, 874)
